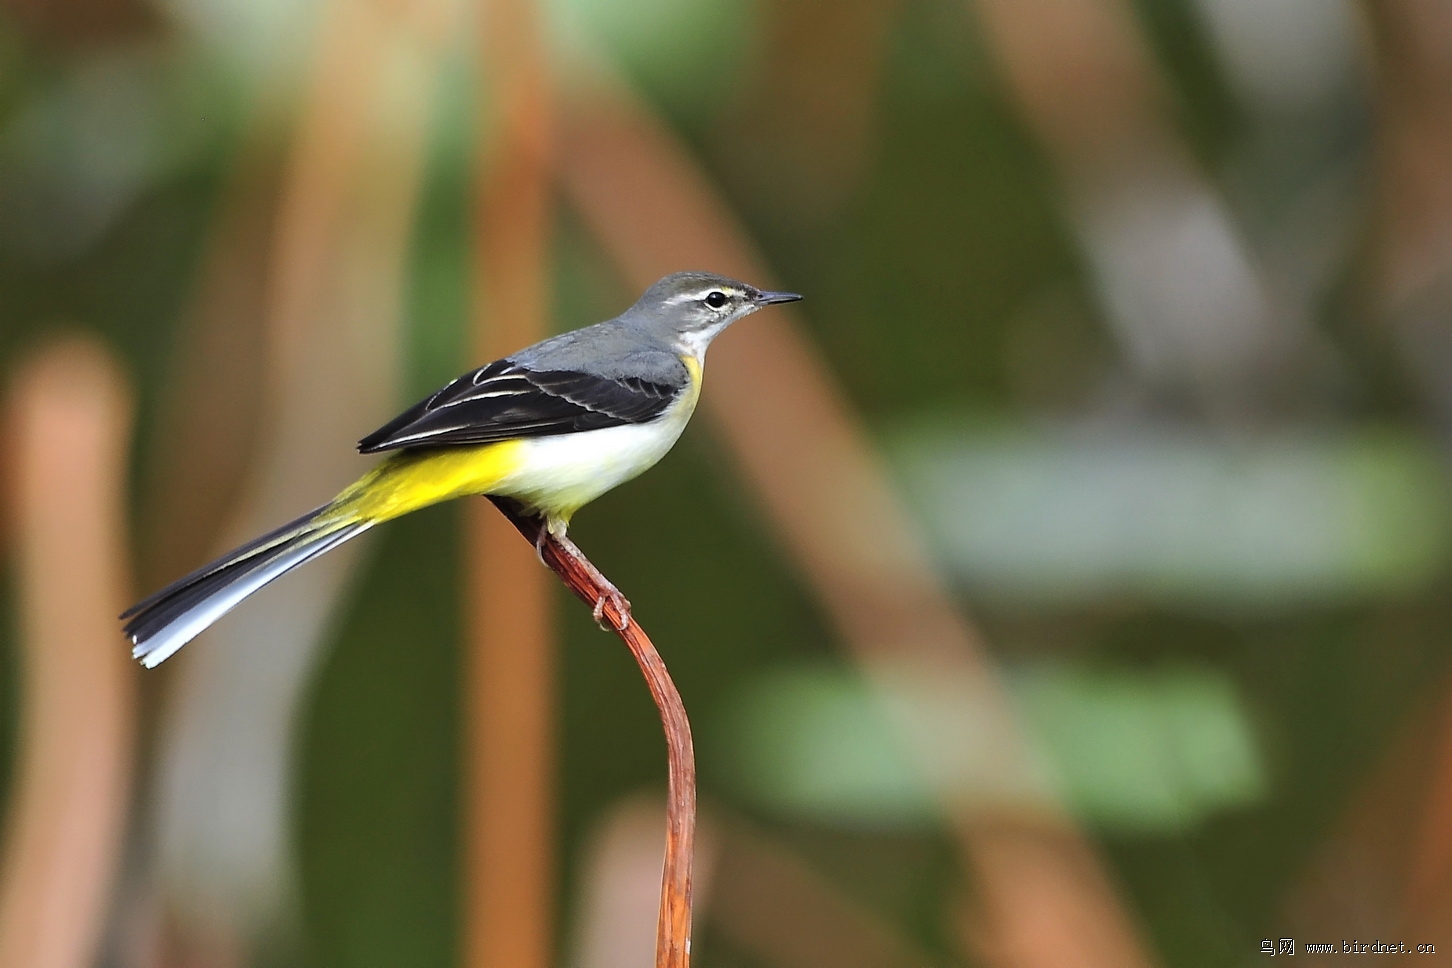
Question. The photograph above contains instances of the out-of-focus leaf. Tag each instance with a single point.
(1136, 752)
(263, 39)
(81, 147)
(1289, 520)
(686, 52)
(1155, 752)
(1284, 54)
(813, 743)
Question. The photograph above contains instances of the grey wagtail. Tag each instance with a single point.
(552, 427)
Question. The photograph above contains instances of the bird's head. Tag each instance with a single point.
(692, 308)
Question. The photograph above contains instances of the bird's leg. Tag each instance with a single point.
(609, 593)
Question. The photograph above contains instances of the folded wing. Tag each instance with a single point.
(505, 400)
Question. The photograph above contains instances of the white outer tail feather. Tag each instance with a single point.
(189, 624)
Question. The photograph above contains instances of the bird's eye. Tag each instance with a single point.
(716, 299)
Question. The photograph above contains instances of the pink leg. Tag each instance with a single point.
(612, 594)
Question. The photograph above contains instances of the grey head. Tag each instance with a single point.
(692, 308)
(679, 315)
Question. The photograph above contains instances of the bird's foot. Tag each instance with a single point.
(539, 543)
(622, 609)
(609, 594)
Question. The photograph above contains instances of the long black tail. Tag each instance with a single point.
(171, 618)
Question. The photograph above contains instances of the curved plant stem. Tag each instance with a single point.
(673, 931)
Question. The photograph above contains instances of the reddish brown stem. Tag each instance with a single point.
(673, 931)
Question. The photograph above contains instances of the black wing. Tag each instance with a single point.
(504, 400)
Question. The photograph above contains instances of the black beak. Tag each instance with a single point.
(768, 298)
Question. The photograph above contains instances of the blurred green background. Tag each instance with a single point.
(1171, 418)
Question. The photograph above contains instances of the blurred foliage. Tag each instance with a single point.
(692, 56)
(1214, 745)
(1131, 752)
(1277, 523)
(379, 858)
(10, 684)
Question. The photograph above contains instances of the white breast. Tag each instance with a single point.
(559, 475)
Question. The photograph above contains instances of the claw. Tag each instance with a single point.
(539, 543)
(622, 608)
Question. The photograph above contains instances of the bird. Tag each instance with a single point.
(551, 427)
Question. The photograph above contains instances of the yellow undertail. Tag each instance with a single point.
(410, 480)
